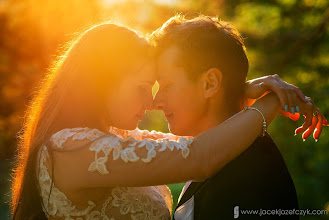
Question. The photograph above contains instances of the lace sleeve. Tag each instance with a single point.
(114, 145)
(124, 158)
(145, 134)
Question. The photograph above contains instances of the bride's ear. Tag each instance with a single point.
(211, 82)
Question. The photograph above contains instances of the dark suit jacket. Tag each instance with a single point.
(256, 179)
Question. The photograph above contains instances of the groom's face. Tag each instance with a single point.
(179, 97)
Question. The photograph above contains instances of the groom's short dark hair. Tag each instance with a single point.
(206, 42)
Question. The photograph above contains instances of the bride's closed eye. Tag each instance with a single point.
(144, 88)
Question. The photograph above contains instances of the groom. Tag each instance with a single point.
(202, 68)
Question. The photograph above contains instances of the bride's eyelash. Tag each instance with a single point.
(144, 88)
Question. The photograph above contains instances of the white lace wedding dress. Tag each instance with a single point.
(152, 202)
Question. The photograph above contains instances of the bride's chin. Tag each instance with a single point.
(132, 126)
(127, 126)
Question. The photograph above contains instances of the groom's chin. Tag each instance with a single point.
(172, 129)
(176, 130)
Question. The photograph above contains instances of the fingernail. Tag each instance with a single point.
(297, 108)
(286, 108)
(293, 110)
(307, 100)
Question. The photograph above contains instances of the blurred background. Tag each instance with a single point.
(287, 37)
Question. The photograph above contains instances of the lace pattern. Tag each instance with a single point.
(55, 202)
(138, 202)
(135, 138)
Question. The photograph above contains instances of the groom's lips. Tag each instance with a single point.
(169, 116)
(140, 116)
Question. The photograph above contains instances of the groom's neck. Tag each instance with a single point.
(214, 118)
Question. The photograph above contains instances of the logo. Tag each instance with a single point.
(236, 212)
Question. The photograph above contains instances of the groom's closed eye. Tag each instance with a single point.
(165, 85)
(146, 83)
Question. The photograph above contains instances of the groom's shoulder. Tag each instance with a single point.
(257, 178)
(262, 151)
(259, 167)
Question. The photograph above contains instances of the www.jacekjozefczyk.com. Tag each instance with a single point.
(280, 212)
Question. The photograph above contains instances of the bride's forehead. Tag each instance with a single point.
(146, 73)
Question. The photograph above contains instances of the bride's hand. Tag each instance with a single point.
(314, 119)
(287, 93)
(291, 98)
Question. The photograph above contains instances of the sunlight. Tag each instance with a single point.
(160, 2)
(111, 2)
(166, 2)
(155, 88)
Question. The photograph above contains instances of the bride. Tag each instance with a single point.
(81, 155)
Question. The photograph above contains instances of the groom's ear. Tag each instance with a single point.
(211, 82)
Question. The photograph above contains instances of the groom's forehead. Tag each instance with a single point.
(163, 74)
(167, 63)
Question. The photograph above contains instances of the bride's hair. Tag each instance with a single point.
(72, 94)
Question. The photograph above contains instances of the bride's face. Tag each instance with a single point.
(130, 99)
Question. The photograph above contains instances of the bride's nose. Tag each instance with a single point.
(148, 107)
(159, 102)
(148, 104)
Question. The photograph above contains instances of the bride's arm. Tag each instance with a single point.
(286, 92)
(105, 160)
(109, 161)
(289, 96)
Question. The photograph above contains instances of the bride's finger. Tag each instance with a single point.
(255, 89)
(309, 100)
(299, 93)
(318, 128)
(308, 119)
(292, 98)
(305, 125)
(279, 89)
(325, 122)
(294, 117)
(310, 129)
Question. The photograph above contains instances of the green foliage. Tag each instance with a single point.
(287, 37)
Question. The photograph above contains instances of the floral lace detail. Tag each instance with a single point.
(139, 202)
(114, 144)
(61, 136)
(141, 206)
(57, 204)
